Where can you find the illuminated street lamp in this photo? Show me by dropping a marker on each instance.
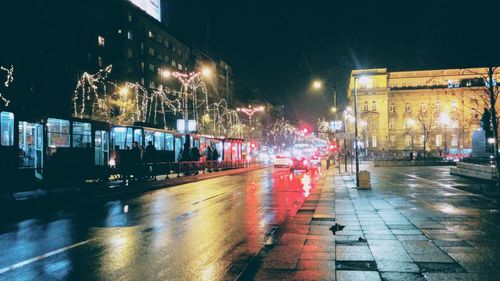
(250, 111)
(318, 85)
(444, 119)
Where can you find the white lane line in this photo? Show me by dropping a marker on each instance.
(41, 257)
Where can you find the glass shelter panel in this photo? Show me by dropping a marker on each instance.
(7, 128)
(82, 135)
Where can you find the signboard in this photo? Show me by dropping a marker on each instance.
(152, 7)
(336, 125)
(191, 125)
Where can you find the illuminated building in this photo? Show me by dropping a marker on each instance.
(401, 110)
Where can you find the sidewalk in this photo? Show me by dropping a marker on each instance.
(379, 238)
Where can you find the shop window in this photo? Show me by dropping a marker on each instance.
(58, 133)
(82, 135)
(7, 128)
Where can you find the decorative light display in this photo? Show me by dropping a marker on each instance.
(97, 98)
(8, 80)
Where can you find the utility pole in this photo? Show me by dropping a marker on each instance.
(494, 123)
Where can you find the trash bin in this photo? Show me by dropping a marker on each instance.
(364, 180)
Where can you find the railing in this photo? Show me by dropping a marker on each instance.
(153, 169)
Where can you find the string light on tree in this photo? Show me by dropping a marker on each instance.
(8, 80)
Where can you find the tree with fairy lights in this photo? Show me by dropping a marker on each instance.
(8, 80)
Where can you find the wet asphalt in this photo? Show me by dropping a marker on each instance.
(207, 230)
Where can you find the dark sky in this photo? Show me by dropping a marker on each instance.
(277, 47)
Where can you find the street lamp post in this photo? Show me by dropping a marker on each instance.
(250, 111)
(356, 148)
(318, 85)
(444, 118)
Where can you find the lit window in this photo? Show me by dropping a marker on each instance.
(407, 107)
(374, 106)
(391, 123)
(454, 105)
(159, 141)
(129, 17)
(100, 41)
(99, 61)
(58, 133)
(453, 84)
(167, 43)
(365, 106)
(152, 51)
(142, 81)
(179, 66)
(169, 141)
(173, 63)
(159, 71)
(130, 53)
(392, 108)
(407, 140)
(439, 140)
(7, 128)
(151, 67)
(150, 34)
(374, 141)
(121, 138)
(166, 59)
(82, 135)
(129, 35)
(152, 85)
(119, 31)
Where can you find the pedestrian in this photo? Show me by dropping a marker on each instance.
(328, 162)
(149, 155)
(195, 154)
(136, 153)
(411, 156)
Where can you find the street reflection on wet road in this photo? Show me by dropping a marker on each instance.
(207, 230)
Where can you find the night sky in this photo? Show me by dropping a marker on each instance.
(277, 47)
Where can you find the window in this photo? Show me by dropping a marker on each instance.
(438, 107)
(392, 108)
(169, 142)
(119, 31)
(407, 140)
(121, 138)
(374, 106)
(149, 136)
(374, 141)
(152, 85)
(58, 133)
(454, 140)
(99, 61)
(453, 84)
(159, 70)
(151, 51)
(423, 107)
(129, 35)
(167, 43)
(159, 39)
(150, 34)
(407, 107)
(454, 105)
(392, 140)
(138, 136)
(129, 17)
(439, 140)
(179, 66)
(142, 81)
(391, 123)
(82, 135)
(166, 58)
(130, 53)
(26, 145)
(159, 141)
(7, 128)
(100, 41)
(173, 63)
(151, 67)
(365, 106)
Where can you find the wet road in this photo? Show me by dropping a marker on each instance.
(207, 230)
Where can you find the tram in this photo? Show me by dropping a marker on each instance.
(53, 151)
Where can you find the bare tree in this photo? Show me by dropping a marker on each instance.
(426, 118)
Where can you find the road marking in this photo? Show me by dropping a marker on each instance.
(41, 257)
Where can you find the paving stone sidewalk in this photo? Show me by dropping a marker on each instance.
(376, 238)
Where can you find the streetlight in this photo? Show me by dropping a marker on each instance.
(318, 85)
(250, 111)
(444, 119)
(365, 81)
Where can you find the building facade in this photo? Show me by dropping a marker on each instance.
(435, 111)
